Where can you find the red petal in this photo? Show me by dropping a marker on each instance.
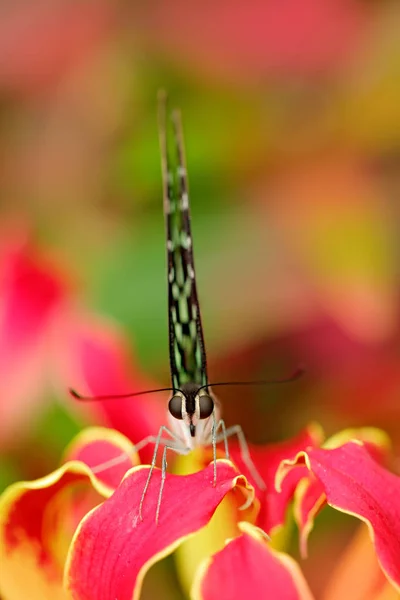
(248, 565)
(113, 548)
(109, 454)
(310, 498)
(267, 460)
(310, 495)
(36, 528)
(354, 483)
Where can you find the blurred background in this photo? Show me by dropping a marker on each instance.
(291, 112)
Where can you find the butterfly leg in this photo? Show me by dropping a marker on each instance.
(150, 439)
(214, 441)
(244, 450)
(179, 450)
(223, 437)
(214, 429)
(168, 444)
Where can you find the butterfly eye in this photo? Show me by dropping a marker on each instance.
(175, 407)
(206, 404)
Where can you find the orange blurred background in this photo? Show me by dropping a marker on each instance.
(292, 125)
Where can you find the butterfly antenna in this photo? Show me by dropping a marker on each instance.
(299, 372)
(80, 397)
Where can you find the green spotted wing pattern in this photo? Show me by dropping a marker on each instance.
(186, 342)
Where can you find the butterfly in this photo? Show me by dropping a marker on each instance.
(194, 411)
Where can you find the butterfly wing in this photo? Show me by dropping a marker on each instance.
(186, 341)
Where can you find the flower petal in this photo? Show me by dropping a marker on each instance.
(247, 565)
(107, 452)
(375, 440)
(310, 494)
(355, 484)
(35, 531)
(222, 526)
(273, 505)
(113, 548)
(267, 460)
(309, 499)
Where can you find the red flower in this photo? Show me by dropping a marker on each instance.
(38, 518)
(113, 547)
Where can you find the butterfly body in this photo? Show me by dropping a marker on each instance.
(192, 406)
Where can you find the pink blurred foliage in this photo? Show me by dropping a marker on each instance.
(32, 296)
(250, 40)
(99, 363)
(40, 42)
(46, 338)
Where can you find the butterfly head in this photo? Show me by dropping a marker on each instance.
(191, 404)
